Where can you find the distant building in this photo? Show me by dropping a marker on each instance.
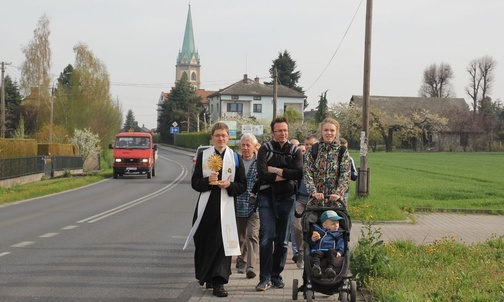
(188, 66)
(188, 60)
(395, 106)
(250, 98)
(246, 98)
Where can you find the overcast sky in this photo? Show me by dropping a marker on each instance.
(139, 41)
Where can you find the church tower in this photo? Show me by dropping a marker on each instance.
(188, 60)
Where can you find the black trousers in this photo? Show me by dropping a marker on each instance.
(331, 256)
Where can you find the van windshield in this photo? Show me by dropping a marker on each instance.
(132, 143)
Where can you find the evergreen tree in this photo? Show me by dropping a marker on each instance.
(12, 105)
(287, 76)
(183, 106)
(322, 108)
(130, 122)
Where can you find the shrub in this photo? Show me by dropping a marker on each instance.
(368, 258)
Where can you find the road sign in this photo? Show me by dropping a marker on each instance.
(174, 124)
(174, 130)
(254, 129)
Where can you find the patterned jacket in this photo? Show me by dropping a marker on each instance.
(320, 173)
(242, 206)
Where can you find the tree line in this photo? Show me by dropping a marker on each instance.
(78, 99)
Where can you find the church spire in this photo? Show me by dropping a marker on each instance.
(188, 55)
(188, 61)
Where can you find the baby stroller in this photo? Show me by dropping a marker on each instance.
(342, 283)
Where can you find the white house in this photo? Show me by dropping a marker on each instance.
(247, 98)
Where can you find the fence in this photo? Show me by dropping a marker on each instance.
(23, 166)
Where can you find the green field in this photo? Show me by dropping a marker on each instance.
(401, 182)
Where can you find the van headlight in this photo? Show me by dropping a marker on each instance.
(118, 160)
(145, 160)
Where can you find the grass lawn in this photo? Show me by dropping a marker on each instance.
(403, 181)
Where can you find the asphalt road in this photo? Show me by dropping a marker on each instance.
(117, 240)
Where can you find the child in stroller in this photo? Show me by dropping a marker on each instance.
(327, 242)
(340, 279)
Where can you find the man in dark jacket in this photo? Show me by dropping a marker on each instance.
(280, 167)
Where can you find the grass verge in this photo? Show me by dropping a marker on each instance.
(50, 186)
(445, 270)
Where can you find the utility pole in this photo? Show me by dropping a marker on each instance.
(3, 99)
(363, 189)
(275, 91)
(51, 115)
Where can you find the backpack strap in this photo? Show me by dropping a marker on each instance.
(237, 161)
(269, 152)
(340, 158)
(314, 150)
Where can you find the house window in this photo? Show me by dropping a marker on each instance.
(257, 108)
(211, 108)
(217, 107)
(234, 107)
(234, 97)
(257, 98)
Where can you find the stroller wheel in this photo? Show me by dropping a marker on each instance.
(295, 289)
(353, 291)
(309, 295)
(343, 295)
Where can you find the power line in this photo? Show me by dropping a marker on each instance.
(339, 45)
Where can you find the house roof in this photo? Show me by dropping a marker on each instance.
(394, 105)
(247, 86)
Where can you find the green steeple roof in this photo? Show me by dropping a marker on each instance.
(188, 48)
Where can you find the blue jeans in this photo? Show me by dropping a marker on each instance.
(274, 232)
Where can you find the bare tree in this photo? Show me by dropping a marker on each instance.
(436, 81)
(473, 89)
(481, 76)
(35, 70)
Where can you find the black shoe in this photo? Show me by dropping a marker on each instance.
(295, 257)
(240, 267)
(277, 282)
(330, 273)
(209, 285)
(219, 291)
(250, 273)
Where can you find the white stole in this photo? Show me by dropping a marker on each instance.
(227, 210)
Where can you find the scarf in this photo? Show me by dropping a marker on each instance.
(227, 211)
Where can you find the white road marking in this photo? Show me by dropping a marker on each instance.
(70, 227)
(23, 244)
(48, 235)
(4, 253)
(138, 201)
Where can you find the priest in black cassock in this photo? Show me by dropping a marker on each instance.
(214, 224)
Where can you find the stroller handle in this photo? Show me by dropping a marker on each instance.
(326, 197)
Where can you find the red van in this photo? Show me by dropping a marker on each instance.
(134, 153)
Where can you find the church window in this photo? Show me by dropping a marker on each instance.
(193, 76)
